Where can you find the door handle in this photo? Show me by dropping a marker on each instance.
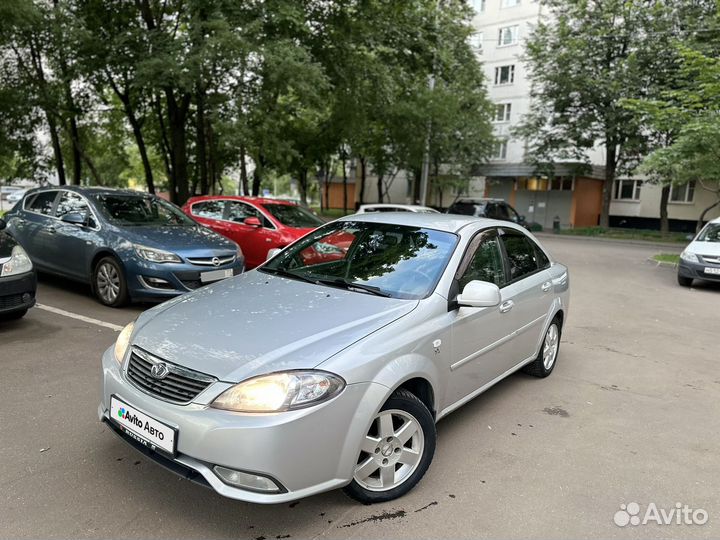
(546, 286)
(506, 306)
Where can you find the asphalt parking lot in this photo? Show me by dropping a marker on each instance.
(629, 415)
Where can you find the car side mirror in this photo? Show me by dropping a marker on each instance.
(272, 252)
(252, 222)
(479, 294)
(74, 218)
(2, 224)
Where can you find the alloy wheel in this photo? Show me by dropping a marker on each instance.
(391, 451)
(550, 347)
(108, 282)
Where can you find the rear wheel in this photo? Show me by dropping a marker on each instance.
(543, 365)
(684, 281)
(396, 451)
(109, 282)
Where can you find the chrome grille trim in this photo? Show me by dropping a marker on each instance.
(208, 261)
(180, 385)
(712, 259)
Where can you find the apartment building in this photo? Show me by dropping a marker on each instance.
(501, 29)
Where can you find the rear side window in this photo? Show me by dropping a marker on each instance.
(523, 256)
(42, 203)
(467, 209)
(72, 202)
(208, 209)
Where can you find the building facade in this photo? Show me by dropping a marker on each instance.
(501, 27)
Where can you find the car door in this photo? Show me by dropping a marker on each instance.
(255, 241)
(74, 245)
(35, 227)
(210, 213)
(479, 335)
(527, 296)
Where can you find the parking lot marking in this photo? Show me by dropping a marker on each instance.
(79, 317)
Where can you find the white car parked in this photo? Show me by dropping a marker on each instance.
(386, 207)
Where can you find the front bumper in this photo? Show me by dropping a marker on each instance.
(17, 292)
(174, 279)
(696, 270)
(306, 451)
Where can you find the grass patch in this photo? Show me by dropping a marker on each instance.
(667, 258)
(628, 234)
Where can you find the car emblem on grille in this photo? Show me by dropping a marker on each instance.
(159, 371)
(216, 261)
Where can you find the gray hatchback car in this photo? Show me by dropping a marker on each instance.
(329, 365)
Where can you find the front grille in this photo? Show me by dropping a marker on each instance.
(192, 284)
(211, 261)
(711, 259)
(180, 385)
(11, 301)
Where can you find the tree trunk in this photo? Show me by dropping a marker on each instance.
(417, 174)
(177, 115)
(140, 142)
(76, 151)
(701, 219)
(363, 174)
(345, 179)
(257, 174)
(201, 139)
(610, 166)
(57, 149)
(380, 187)
(302, 186)
(243, 171)
(664, 221)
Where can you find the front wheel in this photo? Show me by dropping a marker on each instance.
(109, 282)
(684, 281)
(396, 451)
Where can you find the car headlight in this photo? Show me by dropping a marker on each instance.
(156, 255)
(689, 256)
(282, 391)
(19, 263)
(323, 248)
(238, 253)
(123, 342)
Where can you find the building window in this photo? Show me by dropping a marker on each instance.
(531, 184)
(505, 75)
(476, 42)
(478, 5)
(500, 149)
(508, 35)
(502, 112)
(684, 193)
(510, 3)
(561, 183)
(627, 190)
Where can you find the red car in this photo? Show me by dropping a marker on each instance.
(256, 224)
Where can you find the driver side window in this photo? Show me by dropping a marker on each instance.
(486, 263)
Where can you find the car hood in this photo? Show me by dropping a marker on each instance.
(256, 323)
(704, 248)
(186, 240)
(6, 245)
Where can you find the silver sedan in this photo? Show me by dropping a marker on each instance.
(329, 365)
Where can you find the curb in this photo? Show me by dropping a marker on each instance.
(647, 243)
(663, 264)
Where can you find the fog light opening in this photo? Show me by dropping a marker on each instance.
(246, 480)
(156, 283)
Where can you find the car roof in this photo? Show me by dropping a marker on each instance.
(90, 190)
(442, 222)
(256, 200)
(392, 205)
(478, 200)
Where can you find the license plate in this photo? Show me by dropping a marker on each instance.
(714, 271)
(215, 275)
(143, 428)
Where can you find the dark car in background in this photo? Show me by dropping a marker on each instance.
(17, 278)
(125, 244)
(257, 224)
(487, 208)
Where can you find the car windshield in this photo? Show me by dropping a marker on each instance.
(711, 233)
(373, 258)
(294, 216)
(141, 210)
(467, 208)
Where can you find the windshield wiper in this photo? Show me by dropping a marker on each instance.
(288, 274)
(355, 286)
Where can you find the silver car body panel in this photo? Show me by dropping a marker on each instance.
(258, 323)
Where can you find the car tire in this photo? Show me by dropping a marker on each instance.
(546, 359)
(109, 283)
(684, 281)
(407, 458)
